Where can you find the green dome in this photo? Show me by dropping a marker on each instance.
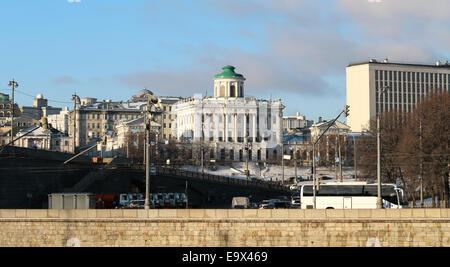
(228, 72)
(4, 97)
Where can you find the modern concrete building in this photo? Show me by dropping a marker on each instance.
(229, 120)
(408, 84)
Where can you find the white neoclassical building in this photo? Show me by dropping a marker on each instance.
(230, 121)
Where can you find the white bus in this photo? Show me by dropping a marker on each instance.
(352, 195)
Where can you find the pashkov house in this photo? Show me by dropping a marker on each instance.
(231, 126)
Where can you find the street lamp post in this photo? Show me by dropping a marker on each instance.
(379, 202)
(75, 98)
(13, 85)
(246, 145)
(346, 112)
(152, 101)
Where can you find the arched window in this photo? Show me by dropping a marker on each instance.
(233, 91)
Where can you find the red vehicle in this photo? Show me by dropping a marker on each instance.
(107, 201)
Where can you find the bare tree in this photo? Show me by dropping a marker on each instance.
(391, 131)
(424, 147)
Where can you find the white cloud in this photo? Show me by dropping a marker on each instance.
(74, 1)
(305, 45)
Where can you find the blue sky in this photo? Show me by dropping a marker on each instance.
(293, 50)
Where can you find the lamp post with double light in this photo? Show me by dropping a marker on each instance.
(151, 109)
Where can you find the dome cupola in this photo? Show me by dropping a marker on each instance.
(229, 83)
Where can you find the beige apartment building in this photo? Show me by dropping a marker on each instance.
(167, 118)
(95, 119)
(406, 85)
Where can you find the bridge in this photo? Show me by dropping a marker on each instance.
(27, 176)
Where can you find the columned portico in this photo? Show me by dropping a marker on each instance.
(233, 120)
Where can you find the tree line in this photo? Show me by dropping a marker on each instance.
(414, 149)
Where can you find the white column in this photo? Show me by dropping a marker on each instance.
(225, 128)
(254, 128)
(245, 127)
(235, 127)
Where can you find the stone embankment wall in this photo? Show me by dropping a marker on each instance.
(227, 228)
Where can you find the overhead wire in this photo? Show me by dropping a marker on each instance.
(32, 96)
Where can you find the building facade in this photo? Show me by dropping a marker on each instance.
(407, 85)
(295, 123)
(60, 121)
(6, 110)
(39, 109)
(229, 122)
(44, 138)
(167, 118)
(94, 120)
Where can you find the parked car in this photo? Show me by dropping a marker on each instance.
(159, 200)
(137, 204)
(270, 205)
(170, 197)
(152, 170)
(282, 205)
(240, 202)
(264, 203)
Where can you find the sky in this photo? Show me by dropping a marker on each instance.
(296, 50)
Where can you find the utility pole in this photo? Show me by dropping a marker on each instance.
(74, 98)
(421, 165)
(340, 158)
(202, 141)
(346, 111)
(295, 160)
(379, 202)
(354, 153)
(282, 163)
(246, 145)
(13, 85)
(147, 117)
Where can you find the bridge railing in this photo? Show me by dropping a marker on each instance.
(218, 178)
